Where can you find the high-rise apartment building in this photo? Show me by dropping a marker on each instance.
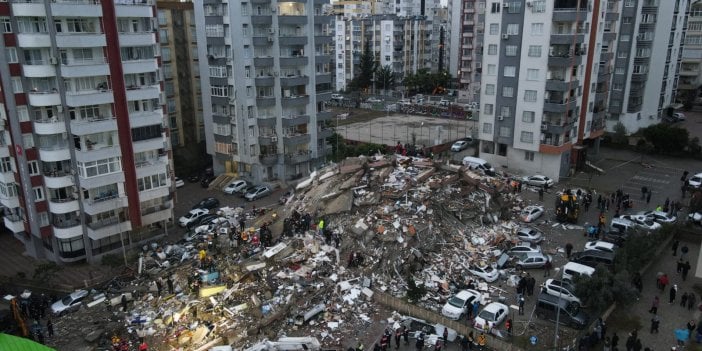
(539, 83)
(181, 75)
(691, 66)
(84, 156)
(648, 53)
(269, 69)
(466, 41)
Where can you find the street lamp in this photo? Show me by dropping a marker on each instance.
(558, 313)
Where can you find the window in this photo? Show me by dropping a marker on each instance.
(492, 49)
(28, 140)
(629, 3)
(495, 7)
(527, 137)
(33, 167)
(626, 20)
(640, 69)
(528, 156)
(11, 55)
(505, 132)
(43, 219)
(487, 128)
(622, 54)
(23, 113)
(17, 85)
(163, 36)
(488, 109)
(489, 89)
(530, 95)
(162, 19)
(532, 74)
(508, 92)
(494, 28)
(5, 165)
(219, 90)
(513, 28)
(618, 86)
(537, 29)
(165, 54)
(528, 116)
(619, 70)
(510, 71)
(491, 70)
(99, 167)
(625, 37)
(534, 50)
(152, 182)
(511, 50)
(505, 111)
(6, 24)
(538, 6)
(38, 194)
(514, 7)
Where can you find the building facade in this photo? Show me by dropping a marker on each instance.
(691, 66)
(466, 41)
(648, 55)
(539, 83)
(181, 75)
(84, 153)
(268, 66)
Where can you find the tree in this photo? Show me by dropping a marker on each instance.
(385, 78)
(367, 67)
(619, 136)
(667, 139)
(414, 291)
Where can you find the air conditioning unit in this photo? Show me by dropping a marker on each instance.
(59, 108)
(271, 30)
(53, 60)
(544, 126)
(274, 139)
(505, 36)
(501, 118)
(505, 5)
(270, 39)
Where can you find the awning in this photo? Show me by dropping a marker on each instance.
(16, 343)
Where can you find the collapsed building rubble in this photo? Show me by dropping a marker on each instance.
(310, 266)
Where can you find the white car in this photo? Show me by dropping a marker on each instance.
(531, 213)
(192, 216)
(374, 100)
(493, 314)
(659, 216)
(531, 260)
(538, 180)
(600, 245)
(524, 247)
(459, 304)
(418, 326)
(642, 221)
(337, 97)
(562, 289)
(695, 217)
(235, 186)
(679, 116)
(257, 193)
(69, 303)
(695, 181)
(459, 145)
(179, 183)
(487, 273)
(530, 234)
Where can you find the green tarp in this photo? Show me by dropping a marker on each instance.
(16, 343)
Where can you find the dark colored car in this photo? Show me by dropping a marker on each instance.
(206, 180)
(246, 190)
(207, 203)
(594, 258)
(206, 219)
(615, 236)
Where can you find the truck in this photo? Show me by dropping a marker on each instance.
(567, 207)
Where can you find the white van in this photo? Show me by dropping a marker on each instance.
(478, 164)
(574, 269)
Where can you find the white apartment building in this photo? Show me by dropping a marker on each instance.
(269, 68)
(85, 164)
(691, 65)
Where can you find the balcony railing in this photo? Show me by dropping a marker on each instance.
(66, 223)
(55, 174)
(103, 223)
(150, 162)
(52, 147)
(54, 119)
(74, 62)
(60, 200)
(105, 196)
(155, 209)
(14, 218)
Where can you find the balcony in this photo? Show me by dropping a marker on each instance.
(49, 126)
(291, 20)
(323, 78)
(149, 144)
(567, 38)
(67, 229)
(295, 120)
(91, 68)
(262, 19)
(267, 121)
(28, 9)
(557, 84)
(292, 39)
(104, 179)
(63, 205)
(263, 61)
(81, 40)
(267, 139)
(150, 167)
(295, 100)
(39, 69)
(97, 151)
(294, 80)
(296, 139)
(156, 214)
(145, 118)
(107, 227)
(44, 98)
(689, 71)
(34, 40)
(565, 60)
(323, 39)
(143, 92)
(71, 8)
(54, 153)
(293, 61)
(93, 125)
(137, 39)
(134, 8)
(7, 177)
(265, 81)
(323, 96)
(298, 157)
(145, 195)
(324, 133)
(558, 105)
(104, 203)
(268, 160)
(89, 97)
(265, 101)
(324, 115)
(14, 223)
(58, 179)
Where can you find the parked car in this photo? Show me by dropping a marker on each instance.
(695, 181)
(417, 326)
(235, 186)
(695, 217)
(208, 203)
(206, 180)
(192, 216)
(492, 315)
(69, 303)
(202, 220)
(531, 213)
(374, 100)
(337, 97)
(564, 290)
(179, 183)
(593, 258)
(600, 245)
(659, 216)
(459, 304)
(538, 180)
(485, 272)
(642, 221)
(530, 234)
(531, 260)
(523, 247)
(246, 190)
(562, 311)
(679, 116)
(615, 235)
(459, 146)
(257, 193)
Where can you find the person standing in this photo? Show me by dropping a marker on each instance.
(482, 341)
(521, 305)
(50, 327)
(541, 194)
(405, 335)
(654, 305)
(569, 249)
(676, 243)
(547, 268)
(644, 190)
(169, 282)
(685, 269)
(159, 286)
(615, 340)
(691, 301)
(648, 197)
(673, 291)
(124, 302)
(655, 322)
